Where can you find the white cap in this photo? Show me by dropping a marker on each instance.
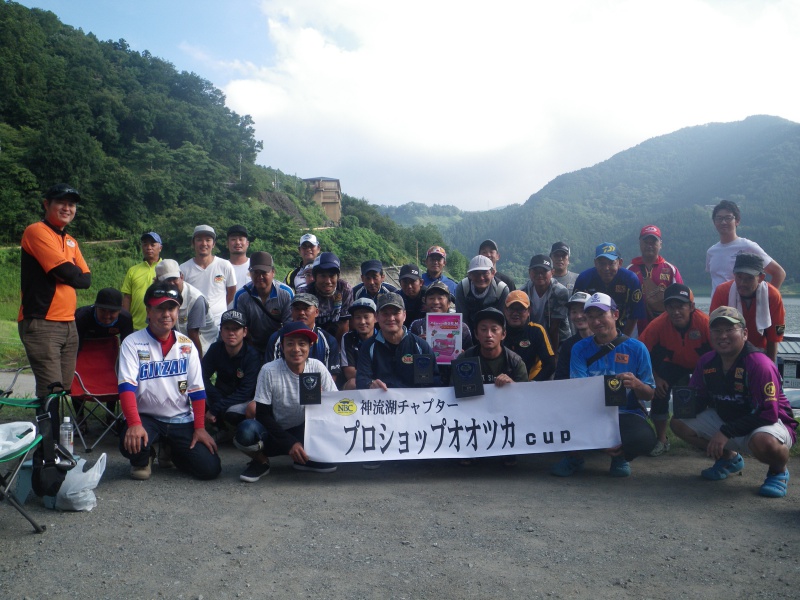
(602, 301)
(310, 238)
(66, 420)
(480, 263)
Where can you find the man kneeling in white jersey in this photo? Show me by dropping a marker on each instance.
(279, 426)
(161, 392)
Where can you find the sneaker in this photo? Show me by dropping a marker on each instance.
(620, 467)
(255, 470)
(371, 466)
(165, 456)
(143, 473)
(723, 467)
(775, 485)
(660, 448)
(315, 467)
(567, 466)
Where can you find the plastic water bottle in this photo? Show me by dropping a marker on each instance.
(66, 434)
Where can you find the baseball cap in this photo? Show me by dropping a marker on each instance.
(579, 297)
(371, 265)
(238, 230)
(261, 261)
(60, 190)
(541, 260)
(438, 286)
(678, 291)
(233, 316)
(390, 299)
(326, 260)
(749, 263)
(492, 314)
(727, 313)
(607, 250)
(410, 271)
(167, 269)
(310, 238)
(204, 230)
(436, 250)
(152, 235)
(305, 298)
(559, 247)
(488, 244)
(480, 263)
(650, 230)
(602, 301)
(109, 298)
(298, 328)
(366, 303)
(519, 297)
(161, 292)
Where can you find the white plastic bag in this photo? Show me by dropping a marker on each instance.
(76, 491)
(15, 436)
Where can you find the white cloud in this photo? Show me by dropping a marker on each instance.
(475, 103)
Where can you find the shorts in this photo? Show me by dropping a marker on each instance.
(708, 422)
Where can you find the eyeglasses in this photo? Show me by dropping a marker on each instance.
(724, 219)
(162, 293)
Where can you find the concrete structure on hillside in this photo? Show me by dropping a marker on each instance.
(328, 194)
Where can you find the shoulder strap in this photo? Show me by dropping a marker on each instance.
(606, 348)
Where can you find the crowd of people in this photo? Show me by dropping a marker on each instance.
(212, 349)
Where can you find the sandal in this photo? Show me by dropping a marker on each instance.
(775, 485)
(723, 467)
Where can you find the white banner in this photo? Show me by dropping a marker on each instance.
(408, 423)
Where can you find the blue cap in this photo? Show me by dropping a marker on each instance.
(151, 234)
(607, 250)
(326, 260)
(371, 265)
(298, 328)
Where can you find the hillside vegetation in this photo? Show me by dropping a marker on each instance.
(671, 181)
(151, 148)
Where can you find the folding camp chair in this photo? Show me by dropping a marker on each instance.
(94, 386)
(7, 390)
(17, 440)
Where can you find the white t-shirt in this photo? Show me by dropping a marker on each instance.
(213, 282)
(720, 259)
(278, 386)
(242, 274)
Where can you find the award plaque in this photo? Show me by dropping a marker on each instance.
(423, 369)
(615, 392)
(466, 377)
(310, 388)
(683, 402)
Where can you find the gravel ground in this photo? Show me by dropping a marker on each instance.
(417, 529)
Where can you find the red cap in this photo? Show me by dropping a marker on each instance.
(650, 230)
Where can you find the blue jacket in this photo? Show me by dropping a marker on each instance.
(395, 368)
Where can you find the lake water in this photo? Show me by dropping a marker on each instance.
(791, 304)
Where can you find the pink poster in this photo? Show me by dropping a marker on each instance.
(444, 336)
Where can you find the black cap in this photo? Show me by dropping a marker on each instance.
(492, 314)
(109, 298)
(162, 291)
(409, 272)
(559, 247)
(233, 316)
(541, 260)
(238, 230)
(678, 291)
(371, 265)
(60, 190)
(488, 244)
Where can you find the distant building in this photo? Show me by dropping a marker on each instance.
(328, 194)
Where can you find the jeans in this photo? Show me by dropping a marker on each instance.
(251, 431)
(199, 462)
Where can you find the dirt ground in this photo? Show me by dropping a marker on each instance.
(417, 529)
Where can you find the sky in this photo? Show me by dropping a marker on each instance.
(475, 104)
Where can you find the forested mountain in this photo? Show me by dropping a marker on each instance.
(151, 148)
(671, 181)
